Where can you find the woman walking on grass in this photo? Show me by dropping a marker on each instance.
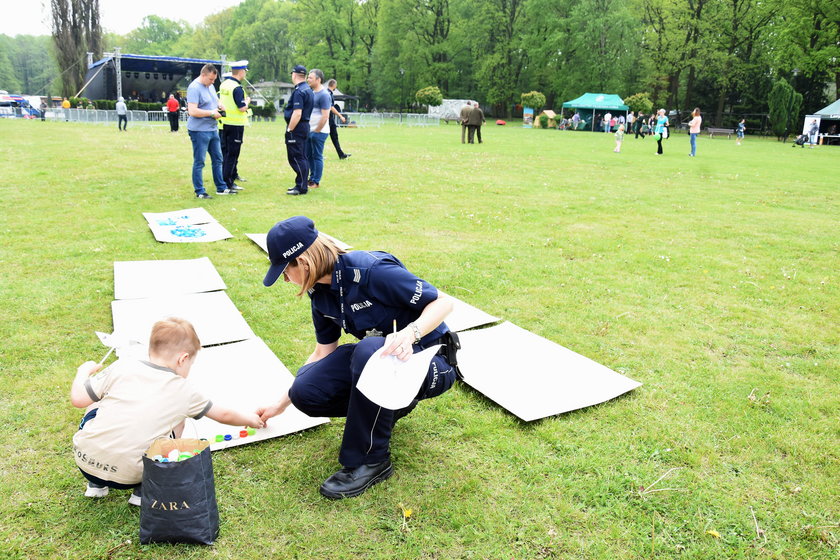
(660, 132)
(694, 129)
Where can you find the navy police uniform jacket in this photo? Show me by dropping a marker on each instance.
(369, 290)
(301, 98)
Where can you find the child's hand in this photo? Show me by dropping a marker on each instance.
(253, 421)
(88, 368)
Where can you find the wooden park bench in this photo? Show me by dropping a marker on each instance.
(728, 131)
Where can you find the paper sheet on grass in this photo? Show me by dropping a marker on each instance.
(464, 316)
(200, 233)
(393, 383)
(244, 376)
(213, 314)
(188, 217)
(259, 239)
(142, 279)
(533, 377)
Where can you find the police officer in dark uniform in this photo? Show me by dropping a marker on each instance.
(363, 293)
(297, 112)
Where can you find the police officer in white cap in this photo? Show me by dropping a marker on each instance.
(233, 123)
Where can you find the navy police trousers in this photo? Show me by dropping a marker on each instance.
(296, 154)
(328, 388)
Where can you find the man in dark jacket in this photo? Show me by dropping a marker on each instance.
(474, 121)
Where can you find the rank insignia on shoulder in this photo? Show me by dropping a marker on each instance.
(357, 276)
(373, 332)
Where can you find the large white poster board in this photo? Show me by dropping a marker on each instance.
(533, 377)
(464, 316)
(142, 279)
(244, 376)
(213, 314)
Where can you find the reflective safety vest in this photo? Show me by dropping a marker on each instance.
(233, 116)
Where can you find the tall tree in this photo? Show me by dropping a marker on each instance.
(75, 31)
(155, 36)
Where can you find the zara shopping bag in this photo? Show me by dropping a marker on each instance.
(179, 496)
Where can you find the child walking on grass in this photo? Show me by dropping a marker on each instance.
(619, 136)
(132, 403)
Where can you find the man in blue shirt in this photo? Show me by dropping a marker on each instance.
(203, 108)
(297, 112)
(319, 126)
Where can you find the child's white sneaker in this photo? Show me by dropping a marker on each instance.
(96, 491)
(135, 499)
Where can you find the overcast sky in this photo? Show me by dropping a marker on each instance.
(31, 17)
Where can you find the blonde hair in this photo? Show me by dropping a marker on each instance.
(316, 262)
(696, 112)
(172, 336)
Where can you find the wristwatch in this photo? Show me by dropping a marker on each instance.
(417, 335)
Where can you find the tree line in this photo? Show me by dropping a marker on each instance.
(723, 56)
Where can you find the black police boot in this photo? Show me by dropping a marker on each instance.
(350, 482)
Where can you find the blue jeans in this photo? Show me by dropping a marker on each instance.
(315, 155)
(202, 142)
(693, 143)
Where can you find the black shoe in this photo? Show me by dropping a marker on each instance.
(295, 192)
(345, 156)
(404, 411)
(203, 195)
(348, 482)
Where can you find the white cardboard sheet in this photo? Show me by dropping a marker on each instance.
(190, 233)
(464, 316)
(259, 239)
(142, 279)
(533, 377)
(244, 376)
(213, 314)
(188, 217)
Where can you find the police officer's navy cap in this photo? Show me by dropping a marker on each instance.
(239, 65)
(285, 242)
(299, 69)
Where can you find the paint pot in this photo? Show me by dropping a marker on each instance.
(251, 431)
(173, 455)
(184, 456)
(228, 437)
(220, 438)
(243, 433)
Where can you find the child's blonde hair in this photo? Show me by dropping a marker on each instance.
(621, 127)
(172, 336)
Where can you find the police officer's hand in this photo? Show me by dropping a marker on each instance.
(400, 344)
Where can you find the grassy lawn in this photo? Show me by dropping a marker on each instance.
(708, 279)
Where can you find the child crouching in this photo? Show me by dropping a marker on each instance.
(132, 403)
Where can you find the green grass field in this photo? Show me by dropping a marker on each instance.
(707, 279)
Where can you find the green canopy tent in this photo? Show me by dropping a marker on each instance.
(828, 119)
(588, 103)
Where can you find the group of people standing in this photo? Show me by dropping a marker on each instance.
(658, 125)
(216, 124)
(472, 117)
(311, 115)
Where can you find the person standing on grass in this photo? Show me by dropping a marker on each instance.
(465, 117)
(319, 124)
(368, 294)
(204, 109)
(739, 133)
(607, 121)
(122, 114)
(334, 112)
(174, 112)
(813, 133)
(694, 130)
(234, 121)
(661, 130)
(619, 136)
(474, 121)
(296, 113)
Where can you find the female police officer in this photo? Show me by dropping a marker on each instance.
(363, 293)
